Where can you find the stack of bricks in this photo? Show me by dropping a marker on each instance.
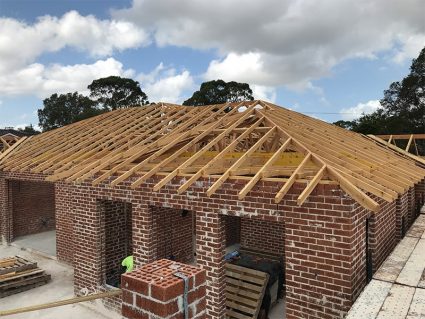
(153, 291)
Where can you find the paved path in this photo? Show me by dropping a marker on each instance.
(59, 288)
(397, 290)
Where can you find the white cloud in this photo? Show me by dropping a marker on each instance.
(283, 42)
(22, 43)
(352, 113)
(265, 93)
(166, 84)
(42, 81)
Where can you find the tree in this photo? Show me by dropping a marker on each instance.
(114, 92)
(219, 91)
(403, 105)
(406, 99)
(29, 130)
(348, 125)
(63, 109)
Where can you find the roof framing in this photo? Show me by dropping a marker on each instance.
(250, 141)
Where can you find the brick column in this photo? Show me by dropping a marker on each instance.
(64, 214)
(325, 257)
(420, 194)
(143, 242)
(411, 205)
(402, 215)
(4, 212)
(210, 245)
(154, 292)
(88, 239)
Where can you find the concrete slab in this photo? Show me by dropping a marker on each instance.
(397, 304)
(417, 308)
(393, 265)
(418, 228)
(414, 268)
(60, 287)
(44, 242)
(278, 311)
(398, 288)
(370, 301)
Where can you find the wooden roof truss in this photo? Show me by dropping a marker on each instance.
(260, 141)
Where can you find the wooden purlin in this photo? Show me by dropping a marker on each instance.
(168, 141)
(239, 162)
(260, 172)
(226, 150)
(114, 140)
(138, 150)
(92, 141)
(193, 158)
(397, 149)
(8, 152)
(42, 144)
(376, 190)
(184, 148)
(91, 166)
(351, 164)
(348, 186)
(165, 148)
(395, 176)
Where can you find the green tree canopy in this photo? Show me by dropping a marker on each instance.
(29, 130)
(219, 91)
(63, 109)
(114, 92)
(403, 105)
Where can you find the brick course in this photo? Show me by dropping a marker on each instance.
(154, 292)
(263, 235)
(33, 207)
(173, 234)
(324, 244)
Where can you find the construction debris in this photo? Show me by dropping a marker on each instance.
(18, 274)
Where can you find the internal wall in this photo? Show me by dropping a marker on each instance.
(233, 230)
(117, 243)
(263, 235)
(33, 207)
(383, 232)
(173, 233)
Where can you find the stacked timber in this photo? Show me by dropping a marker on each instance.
(18, 274)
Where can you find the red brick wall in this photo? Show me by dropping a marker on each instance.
(324, 246)
(116, 237)
(359, 272)
(383, 234)
(402, 214)
(263, 235)
(420, 194)
(233, 230)
(64, 222)
(411, 205)
(33, 207)
(173, 234)
(4, 211)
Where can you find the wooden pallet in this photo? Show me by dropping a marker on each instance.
(245, 290)
(15, 264)
(18, 274)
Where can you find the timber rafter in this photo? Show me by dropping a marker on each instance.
(251, 141)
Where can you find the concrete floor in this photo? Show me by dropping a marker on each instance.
(59, 288)
(397, 290)
(44, 242)
(278, 311)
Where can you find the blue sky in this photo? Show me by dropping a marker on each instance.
(330, 60)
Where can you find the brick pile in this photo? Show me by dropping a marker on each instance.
(154, 292)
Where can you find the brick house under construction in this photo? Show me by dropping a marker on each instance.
(169, 181)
